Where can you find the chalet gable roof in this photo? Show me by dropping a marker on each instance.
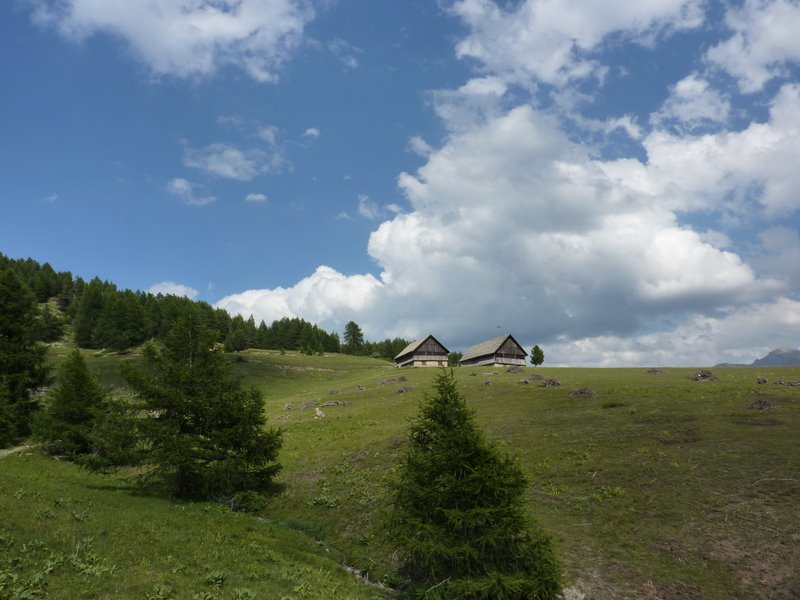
(416, 344)
(490, 347)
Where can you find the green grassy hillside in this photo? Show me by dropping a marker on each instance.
(659, 486)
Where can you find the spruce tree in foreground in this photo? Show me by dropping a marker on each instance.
(458, 512)
(204, 433)
(67, 419)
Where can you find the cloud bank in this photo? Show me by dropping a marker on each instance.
(188, 38)
(513, 224)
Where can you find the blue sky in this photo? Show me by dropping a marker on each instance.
(614, 181)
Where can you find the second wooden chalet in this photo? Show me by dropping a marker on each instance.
(498, 352)
(425, 352)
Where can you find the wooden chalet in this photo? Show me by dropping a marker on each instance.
(498, 352)
(425, 352)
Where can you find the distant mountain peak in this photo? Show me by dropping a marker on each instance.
(780, 357)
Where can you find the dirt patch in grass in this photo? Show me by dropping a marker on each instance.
(767, 567)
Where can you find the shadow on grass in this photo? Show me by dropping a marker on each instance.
(159, 489)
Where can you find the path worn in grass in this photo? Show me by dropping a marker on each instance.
(6, 451)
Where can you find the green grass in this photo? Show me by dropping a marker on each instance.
(66, 533)
(658, 487)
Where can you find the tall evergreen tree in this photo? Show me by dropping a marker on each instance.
(71, 407)
(353, 338)
(205, 431)
(458, 512)
(22, 358)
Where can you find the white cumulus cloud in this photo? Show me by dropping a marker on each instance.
(693, 103)
(763, 44)
(551, 40)
(326, 296)
(188, 38)
(733, 171)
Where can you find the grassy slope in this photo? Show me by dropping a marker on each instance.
(659, 487)
(72, 534)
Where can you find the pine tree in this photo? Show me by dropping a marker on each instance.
(537, 356)
(205, 432)
(353, 338)
(22, 359)
(458, 512)
(71, 407)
